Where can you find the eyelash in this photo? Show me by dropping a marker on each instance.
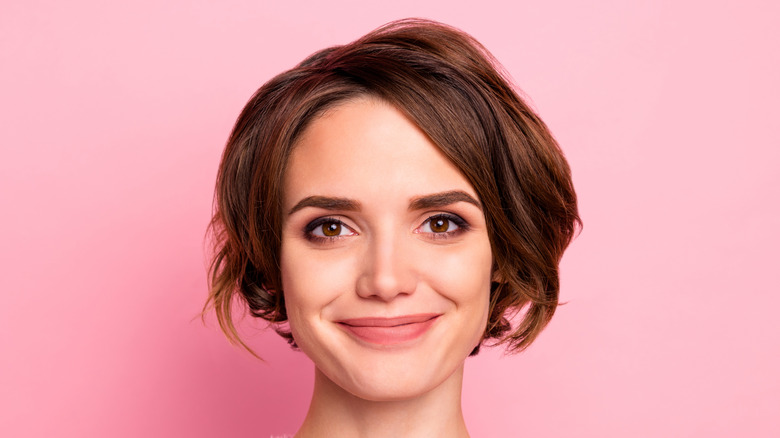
(313, 225)
(462, 225)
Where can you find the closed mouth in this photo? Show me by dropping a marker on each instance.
(389, 322)
(389, 331)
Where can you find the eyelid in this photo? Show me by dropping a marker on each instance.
(313, 225)
(461, 223)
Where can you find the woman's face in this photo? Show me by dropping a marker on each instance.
(385, 260)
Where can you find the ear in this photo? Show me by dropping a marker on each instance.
(497, 277)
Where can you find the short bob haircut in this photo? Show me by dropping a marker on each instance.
(450, 86)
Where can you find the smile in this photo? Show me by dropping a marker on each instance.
(389, 331)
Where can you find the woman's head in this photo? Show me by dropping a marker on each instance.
(446, 85)
(385, 257)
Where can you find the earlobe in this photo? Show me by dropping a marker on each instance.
(497, 277)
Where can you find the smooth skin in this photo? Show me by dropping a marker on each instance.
(379, 224)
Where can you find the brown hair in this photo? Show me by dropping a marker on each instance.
(447, 84)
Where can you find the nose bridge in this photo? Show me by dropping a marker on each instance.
(388, 270)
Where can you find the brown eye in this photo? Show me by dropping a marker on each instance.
(443, 226)
(331, 229)
(440, 225)
(327, 228)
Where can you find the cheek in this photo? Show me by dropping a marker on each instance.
(463, 276)
(310, 281)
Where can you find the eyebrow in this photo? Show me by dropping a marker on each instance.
(326, 203)
(442, 199)
(434, 200)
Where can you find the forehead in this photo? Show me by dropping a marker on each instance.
(366, 149)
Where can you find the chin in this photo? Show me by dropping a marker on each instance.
(396, 376)
(387, 387)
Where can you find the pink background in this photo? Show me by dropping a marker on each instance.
(114, 115)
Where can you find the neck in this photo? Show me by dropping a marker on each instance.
(334, 412)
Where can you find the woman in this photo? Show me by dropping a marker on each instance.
(389, 205)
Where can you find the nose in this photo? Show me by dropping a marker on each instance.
(388, 268)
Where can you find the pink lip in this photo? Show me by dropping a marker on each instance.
(389, 331)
